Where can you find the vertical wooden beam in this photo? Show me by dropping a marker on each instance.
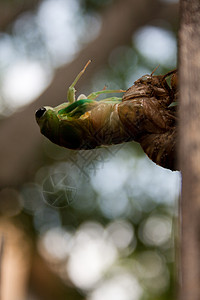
(189, 148)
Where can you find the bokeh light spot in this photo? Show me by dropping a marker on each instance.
(156, 44)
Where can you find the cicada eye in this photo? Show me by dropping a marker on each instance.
(39, 113)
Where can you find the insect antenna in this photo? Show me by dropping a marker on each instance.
(155, 70)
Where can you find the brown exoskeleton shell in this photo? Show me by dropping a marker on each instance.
(149, 119)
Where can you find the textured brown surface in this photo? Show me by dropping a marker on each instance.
(146, 115)
(189, 148)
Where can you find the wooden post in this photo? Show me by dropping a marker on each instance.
(189, 148)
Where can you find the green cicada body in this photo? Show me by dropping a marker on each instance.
(83, 126)
(144, 114)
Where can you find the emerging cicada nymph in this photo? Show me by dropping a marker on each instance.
(146, 114)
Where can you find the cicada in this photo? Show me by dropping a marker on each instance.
(144, 114)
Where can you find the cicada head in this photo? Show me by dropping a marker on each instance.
(61, 127)
(48, 122)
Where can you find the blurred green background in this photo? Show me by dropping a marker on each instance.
(97, 224)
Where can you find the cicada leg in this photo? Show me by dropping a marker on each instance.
(71, 91)
(112, 99)
(94, 95)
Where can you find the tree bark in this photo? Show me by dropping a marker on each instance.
(189, 148)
